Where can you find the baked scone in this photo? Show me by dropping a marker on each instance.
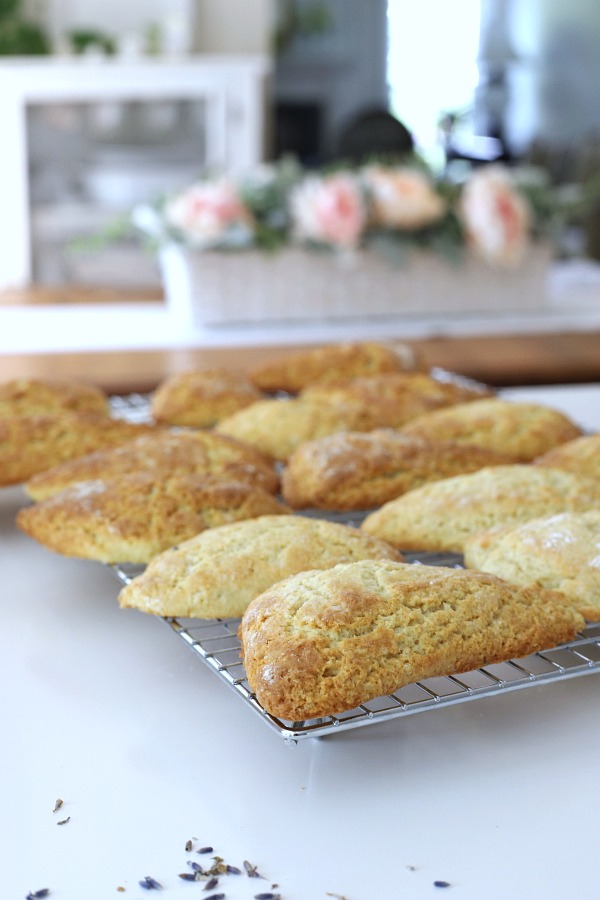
(323, 642)
(580, 455)
(561, 552)
(199, 398)
(295, 370)
(31, 444)
(277, 426)
(523, 430)
(30, 396)
(133, 517)
(440, 516)
(197, 452)
(217, 573)
(353, 470)
(395, 398)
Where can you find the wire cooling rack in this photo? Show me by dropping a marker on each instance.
(216, 643)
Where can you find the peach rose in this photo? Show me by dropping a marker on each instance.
(402, 198)
(496, 216)
(328, 209)
(209, 214)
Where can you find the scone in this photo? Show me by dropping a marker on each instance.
(354, 471)
(440, 516)
(295, 370)
(277, 426)
(30, 396)
(199, 398)
(395, 398)
(561, 552)
(580, 455)
(133, 517)
(323, 642)
(197, 452)
(32, 444)
(217, 573)
(523, 430)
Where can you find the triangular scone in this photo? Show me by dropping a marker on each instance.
(523, 430)
(133, 517)
(295, 370)
(581, 455)
(32, 444)
(353, 471)
(561, 552)
(217, 573)
(440, 516)
(199, 398)
(32, 396)
(196, 452)
(324, 642)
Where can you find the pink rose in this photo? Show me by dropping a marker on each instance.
(496, 216)
(210, 213)
(402, 198)
(329, 209)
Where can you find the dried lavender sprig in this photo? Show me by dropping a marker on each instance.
(150, 884)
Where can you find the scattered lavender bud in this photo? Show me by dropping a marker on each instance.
(205, 850)
(64, 821)
(188, 846)
(211, 883)
(37, 895)
(216, 897)
(150, 884)
(267, 896)
(251, 870)
(441, 884)
(233, 870)
(187, 876)
(195, 866)
(57, 805)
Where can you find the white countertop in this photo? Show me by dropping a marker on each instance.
(107, 710)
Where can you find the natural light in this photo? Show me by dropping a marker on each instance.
(432, 63)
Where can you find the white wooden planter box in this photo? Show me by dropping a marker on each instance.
(218, 288)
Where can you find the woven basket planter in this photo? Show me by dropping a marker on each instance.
(212, 288)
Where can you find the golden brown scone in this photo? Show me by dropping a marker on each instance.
(32, 444)
(200, 397)
(353, 470)
(217, 573)
(580, 455)
(197, 452)
(133, 517)
(295, 370)
(395, 398)
(323, 642)
(560, 552)
(440, 516)
(277, 426)
(30, 396)
(523, 430)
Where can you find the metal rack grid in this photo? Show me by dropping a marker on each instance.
(216, 643)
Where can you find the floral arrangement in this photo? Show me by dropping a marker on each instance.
(389, 206)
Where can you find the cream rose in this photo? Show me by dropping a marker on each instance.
(328, 209)
(402, 198)
(496, 216)
(209, 214)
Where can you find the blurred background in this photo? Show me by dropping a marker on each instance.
(469, 81)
